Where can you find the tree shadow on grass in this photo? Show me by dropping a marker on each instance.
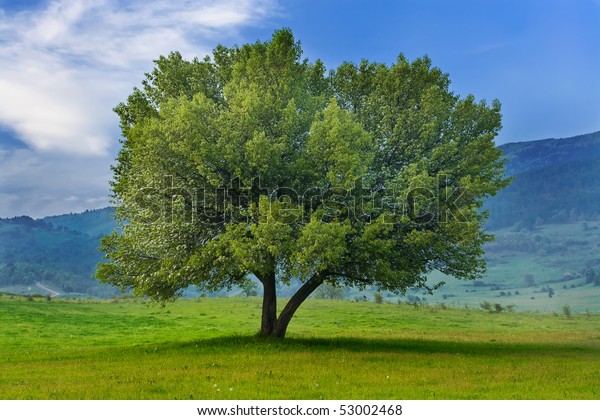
(383, 345)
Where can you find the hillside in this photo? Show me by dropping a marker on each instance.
(542, 269)
(55, 253)
(546, 224)
(531, 155)
(555, 181)
(94, 223)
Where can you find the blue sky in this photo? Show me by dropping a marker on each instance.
(65, 64)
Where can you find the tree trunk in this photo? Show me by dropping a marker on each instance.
(269, 308)
(300, 296)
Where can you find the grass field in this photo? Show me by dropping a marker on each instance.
(547, 252)
(207, 349)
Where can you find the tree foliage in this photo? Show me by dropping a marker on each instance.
(256, 162)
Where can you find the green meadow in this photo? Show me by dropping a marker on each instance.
(208, 349)
(555, 255)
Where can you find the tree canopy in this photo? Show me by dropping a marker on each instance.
(258, 162)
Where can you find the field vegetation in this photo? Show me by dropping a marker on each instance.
(540, 268)
(208, 349)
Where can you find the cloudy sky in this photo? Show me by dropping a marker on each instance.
(65, 64)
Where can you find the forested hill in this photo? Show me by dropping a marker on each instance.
(91, 222)
(57, 253)
(555, 181)
(527, 156)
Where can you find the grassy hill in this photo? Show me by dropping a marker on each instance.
(207, 349)
(558, 258)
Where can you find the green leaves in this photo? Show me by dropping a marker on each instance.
(338, 151)
(320, 247)
(255, 162)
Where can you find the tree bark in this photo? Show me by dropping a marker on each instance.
(269, 307)
(300, 296)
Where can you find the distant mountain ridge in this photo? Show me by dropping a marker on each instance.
(92, 222)
(530, 155)
(58, 253)
(556, 181)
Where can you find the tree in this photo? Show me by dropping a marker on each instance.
(329, 291)
(529, 280)
(249, 288)
(255, 162)
(591, 276)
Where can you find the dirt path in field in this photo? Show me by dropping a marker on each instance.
(53, 293)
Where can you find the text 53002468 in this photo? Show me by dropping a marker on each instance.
(369, 410)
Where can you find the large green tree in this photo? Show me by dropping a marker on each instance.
(256, 162)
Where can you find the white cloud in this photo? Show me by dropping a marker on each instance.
(66, 64)
(39, 183)
(64, 67)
